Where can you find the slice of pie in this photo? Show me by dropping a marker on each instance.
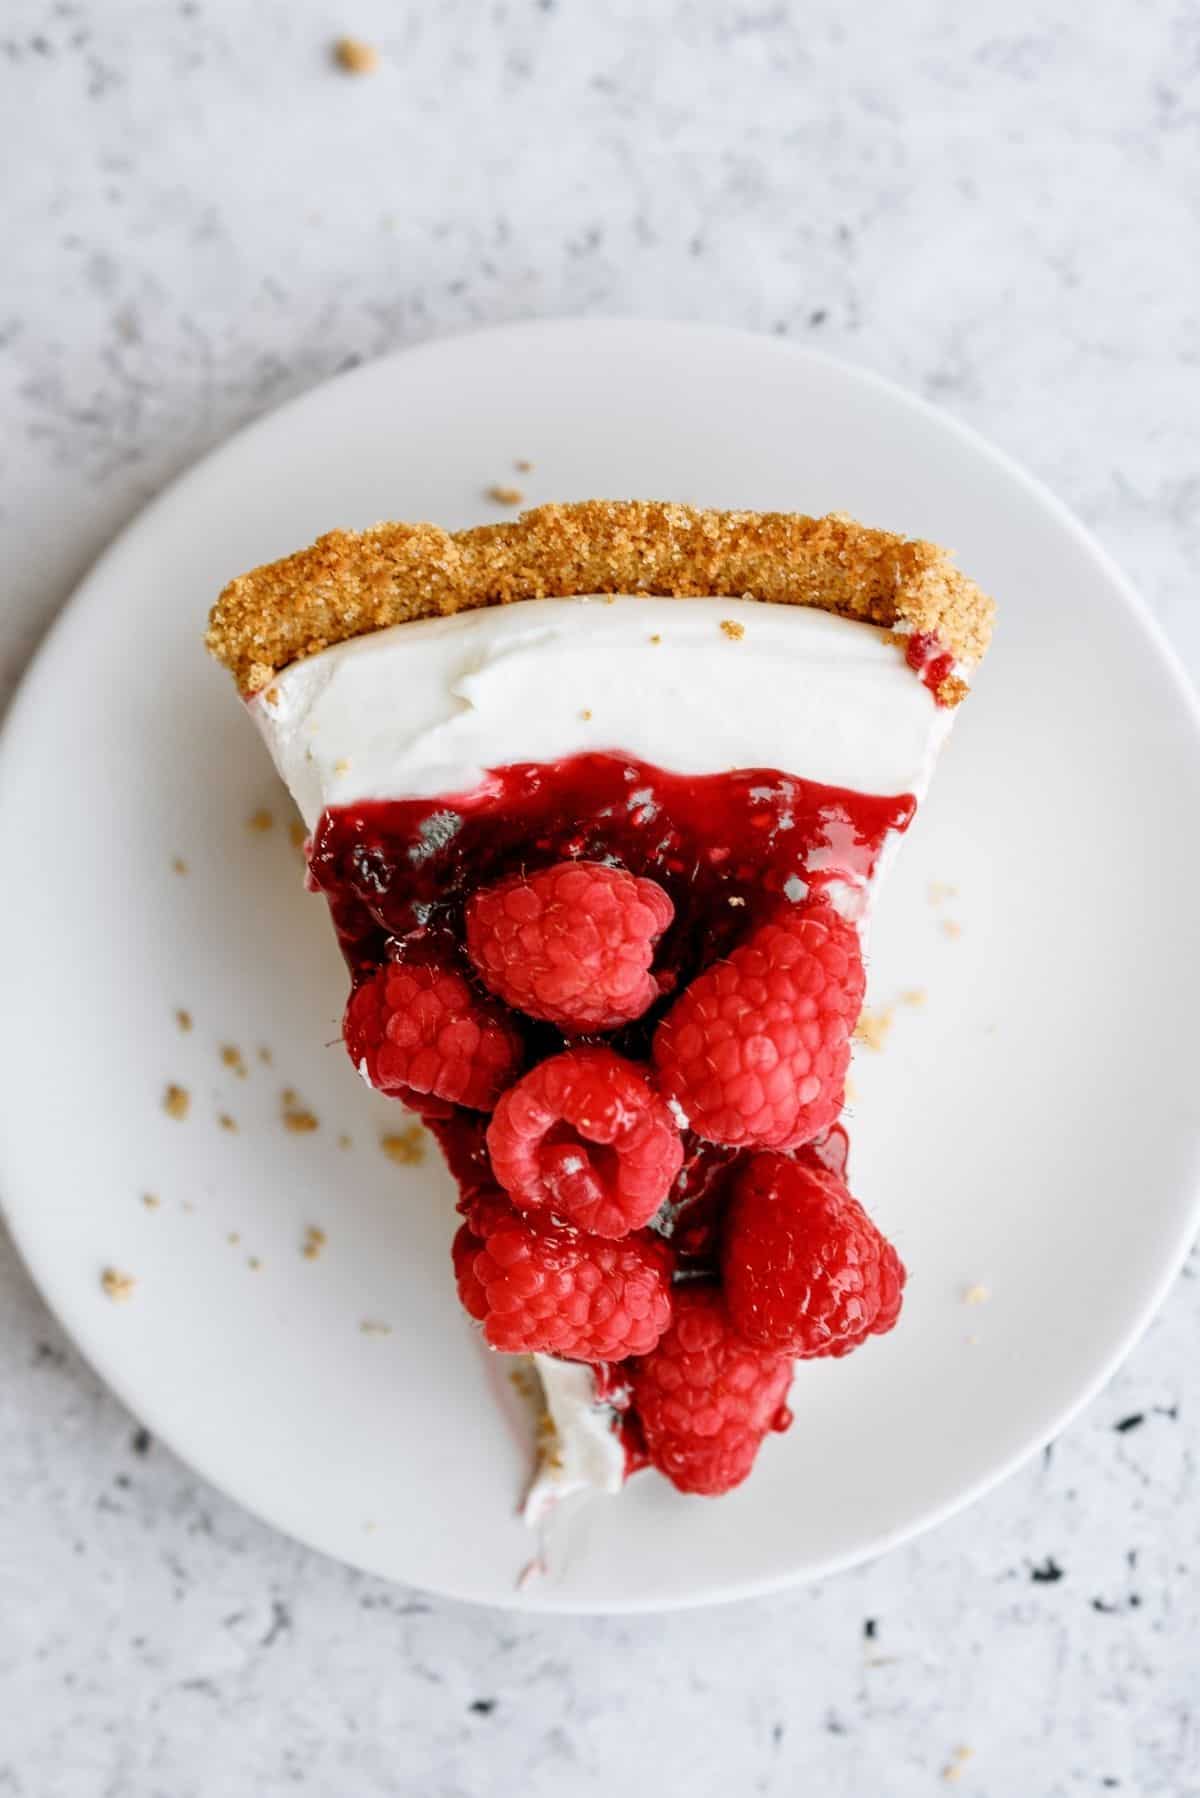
(598, 800)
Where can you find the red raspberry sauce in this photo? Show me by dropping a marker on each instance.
(727, 848)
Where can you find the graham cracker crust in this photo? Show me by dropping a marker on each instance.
(352, 582)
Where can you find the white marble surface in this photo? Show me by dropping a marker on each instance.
(994, 203)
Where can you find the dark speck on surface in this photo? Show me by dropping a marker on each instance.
(281, 1621)
(141, 1442)
(869, 1629)
(818, 316)
(482, 1707)
(1046, 1573)
(1133, 1422)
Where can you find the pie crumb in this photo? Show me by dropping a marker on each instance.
(914, 996)
(151, 1201)
(272, 695)
(656, 638)
(504, 495)
(939, 890)
(956, 1766)
(851, 1091)
(183, 1019)
(118, 1286)
(978, 1294)
(264, 1055)
(253, 1263)
(733, 630)
(233, 1238)
(525, 1381)
(522, 466)
(296, 1115)
(951, 929)
(225, 1121)
(586, 715)
(355, 56)
(371, 1326)
(314, 1242)
(231, 1057)
(297, 833)
(177, 1102)
(873, 1027)
(260, 820)
(405, 1146)
(736, 899)
(344, 1140)
(342, 765)
(178, 865)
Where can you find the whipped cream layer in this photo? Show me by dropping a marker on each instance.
(586, 1454)
(424, 709)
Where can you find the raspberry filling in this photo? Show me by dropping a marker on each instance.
(691, 984)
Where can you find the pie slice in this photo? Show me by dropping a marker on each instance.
(599, 800)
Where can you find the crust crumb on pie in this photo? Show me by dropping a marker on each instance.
(297, 834)
(314, 1242)
(151, 1201)
(226, 1122)
(505, 496)
(342, 765)
(231, 1057)
(586, 715)
(874, 1026)
(296, 1115)
(117, 1285)
(178, 865)
(355, 56)
(914, 996)
(733, 630)
(977, 1294)
(260, 820)
(264, 1055)
(656, 637)
(177, 1102)
(522, 466)
(371, 1326)
(407, 1147)
(183, 1019)
(349, 583)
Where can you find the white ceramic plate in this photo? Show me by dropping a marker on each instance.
(1033, 1128)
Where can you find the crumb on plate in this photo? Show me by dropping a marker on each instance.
(177, 1102)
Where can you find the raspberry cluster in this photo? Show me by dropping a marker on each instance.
(684, 1213)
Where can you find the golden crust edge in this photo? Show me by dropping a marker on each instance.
(349, 583)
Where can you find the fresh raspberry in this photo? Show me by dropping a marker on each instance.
(585, 1137)
(706, 1398)
(415, 1028)
(755, 1051)
(571, 944)
(539, 1287)
(806, 1272)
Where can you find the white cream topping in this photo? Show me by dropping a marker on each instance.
(424, 709)
(586, 1455)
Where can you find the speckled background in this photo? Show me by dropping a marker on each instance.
(996, 204)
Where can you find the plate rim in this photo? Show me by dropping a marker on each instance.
(88, 591)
